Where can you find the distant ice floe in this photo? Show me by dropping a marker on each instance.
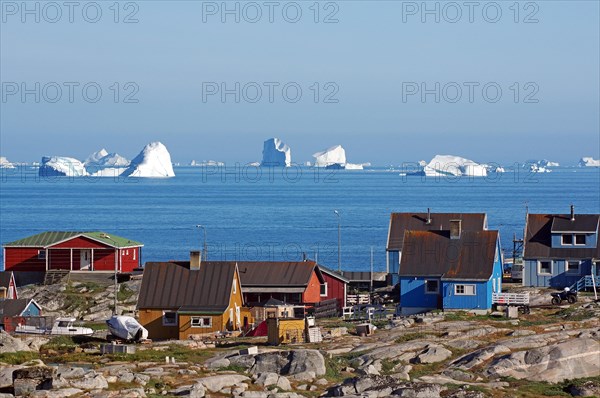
(276, 154)
(335, 158)
(450, 165)
(61, 166)
(589, 162)
(154, 161)
(206, 163)
(5, 164)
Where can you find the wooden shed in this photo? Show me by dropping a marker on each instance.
(286, 330)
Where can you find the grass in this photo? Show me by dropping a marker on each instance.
(234, 368)
(412, 336)
(387, 365)
(17, 358)
(334, 366)
(124, 293)
(534, 389)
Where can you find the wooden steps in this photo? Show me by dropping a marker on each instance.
(55, 276)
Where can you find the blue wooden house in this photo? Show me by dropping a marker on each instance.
(561, 250)
(402, 222)
(450, 270)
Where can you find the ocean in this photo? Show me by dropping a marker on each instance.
(279, 214)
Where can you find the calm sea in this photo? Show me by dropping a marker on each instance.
(254, 214)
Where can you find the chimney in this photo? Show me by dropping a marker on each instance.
(428, 216)
(455, 229)
(572, 213)
(195, 260)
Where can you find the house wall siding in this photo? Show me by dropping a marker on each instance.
(186, 329)
(335, 290)
(151, 319)
(80, 243)
(412, 290)
(559, 278)
(23, 259)
(590, 241)
(312, 293)
(480, 301)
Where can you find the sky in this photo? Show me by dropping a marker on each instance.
(391, 81)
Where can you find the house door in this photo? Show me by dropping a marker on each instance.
(85, 259)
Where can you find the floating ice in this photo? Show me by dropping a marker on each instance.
(449, 165)
(336, 155)
(5, 164)
(53, 166)
(589, 162)
(103, 159)
(153, 161)
(276, 154)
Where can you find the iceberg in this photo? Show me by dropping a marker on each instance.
(352, 166)
(61, 166)
(206, 163)
(153, 161)
(589, 162)
(103, 159)
(336, 155)
(544, 163)
(5, 164)
(276, 154)
(449, 165)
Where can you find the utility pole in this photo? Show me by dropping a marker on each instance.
(204, 249)
(371, 288)
(337, 213)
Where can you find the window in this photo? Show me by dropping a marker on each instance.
(134, 252)
(545, 267)
(169, 318)
(41, 254)
(234, 286)
(324, 289)
(201, 322)
(431, 287)
(465, 290)
(567, 239)
(572, 267)
(580, 239)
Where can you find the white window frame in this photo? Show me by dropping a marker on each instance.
(562, 240)
(464, 288)
(326, 289)
(493, 286)
(201, 323)
(539, 264)
(42, 254)
(234, 285)
(437, 291)
(575, 240)
(578, 267)
(134, 250)
(169, 323)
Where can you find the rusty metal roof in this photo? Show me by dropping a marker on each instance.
(15, 307)
(538, 236)
(5, 277)
(401, 222)
(277, 273)
(586, 223)
(173, 286)
(433, 253)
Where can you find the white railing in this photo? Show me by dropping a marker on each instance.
(355, 299)
(510, 298)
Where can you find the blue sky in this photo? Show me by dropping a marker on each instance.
(375, 52)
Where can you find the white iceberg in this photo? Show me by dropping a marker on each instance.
(153, 161)
(103, 159)
(535, 168)
(61, 166)
(334, 156)
(449, 165)
(276, 154)
(5, 164)
(544, 163)
(589, 162)
(353, 166)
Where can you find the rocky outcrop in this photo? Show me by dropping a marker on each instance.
(385, 386)
(575, 358)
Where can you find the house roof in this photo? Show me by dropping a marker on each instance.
(587, 223)
(401, 222)
(433, 253)
(14, 307)
(538, 236)
(51, 238)
(5, 277)
(333, 273)
(172, 286)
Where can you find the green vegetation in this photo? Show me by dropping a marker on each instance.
(124, 293)
(334, 366)
(387, 365)
(17, 358)
(413, 336)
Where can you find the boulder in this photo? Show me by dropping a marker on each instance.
(11, 344)
(586, 389)
(576, 358)
(273, 379)
(91, 381)
(27, 380)
(6, 375)
(302, 364)
(218, 382)
(478, 357)
(433, 354)
(62, 393)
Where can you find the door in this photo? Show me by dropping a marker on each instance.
(85, 259)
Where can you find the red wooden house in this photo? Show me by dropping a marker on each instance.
(335, 286)
(8, 286)
(72, 251)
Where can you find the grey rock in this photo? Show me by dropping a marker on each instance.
(12, 344)
(254, 394)
(576, 358)
(6, 375)
(91, 381)
(62, 393)
(478, 357)
(218, 382)
(433, 354)
(298, 363)
(586, 389)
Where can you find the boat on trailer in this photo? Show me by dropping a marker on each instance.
(64, 326)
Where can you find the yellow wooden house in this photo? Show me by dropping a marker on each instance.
(180, 299)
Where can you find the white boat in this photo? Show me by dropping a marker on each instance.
(127, 328)
(61, 327)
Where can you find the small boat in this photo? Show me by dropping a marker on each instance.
(126, 328)
(61, 327)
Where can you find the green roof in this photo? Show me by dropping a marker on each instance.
(51, 238)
